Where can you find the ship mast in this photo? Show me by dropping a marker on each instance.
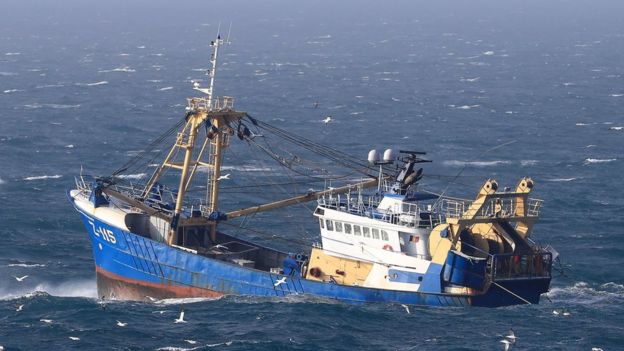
(216, 115)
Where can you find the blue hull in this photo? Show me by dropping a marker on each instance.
(133, 267)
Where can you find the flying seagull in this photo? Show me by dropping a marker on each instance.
(181, 318)
(279, 282)
(406, 308)
(152, 299)
(327, 119)
(48, 321)
(192, 342)
(511, 336)
(507, 344)
(20, 279)
(227, 176)
(75, 338)
(19, 308)
(121, 324)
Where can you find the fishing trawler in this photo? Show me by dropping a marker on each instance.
(383, 239)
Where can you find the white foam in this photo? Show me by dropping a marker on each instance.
(26, 265)
(616, 95)
(488, 53)
(584, 293)
(49, 86)
(12, 53)
(186, 300)
(70, 146)
(616, 128)
(599, 160)
(9, 91)
(469, 79)
(54, 106)
(93, 84)
(2, 181)
(247, 168)
(528, 162)
(56, 176)
(465, 107)
(118, 69)
(80, 288)
(456, 163)
(131, 176)
(581, 124)
(6, 74)
(165, 88)
(560, 179)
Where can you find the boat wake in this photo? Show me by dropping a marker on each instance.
(186, 300)
(80, 288)
(585, 294)
(561, 179)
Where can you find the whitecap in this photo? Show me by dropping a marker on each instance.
(154, 80)
(118, 69)
(79, 288)
(247, 168)
(49, 86)
(54, 106)
(2, 181)
(396, 99)
(93, 84)
(616, 128)
(560, 179)
(528, 162)
(616, 95)
(469, 79)
(456, 163)
(590, 145)
(56, 176)
(9, 91)
(165, 88)
(584, 293)
(69, 146)
(131, 176)
(186, 300)
(26, 265)
(6, 74)
(488, 53)
(12, 53)
(581, 124)
(466, 107)
(599, 160)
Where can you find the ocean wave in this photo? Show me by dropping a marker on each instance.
(118, 69)
(2, 181)
(469, 79)
(464, 107)
(56, 176)
(26, 265)
(54, 106)
(49, 86)
(247, 168)
(6, 74)
(528, 162)
(598, 160)
(186, 300)
(92, 84)
(165, 88)
(9, 91)
(12, 53)
(616, 128)
(79, 288)
(616, 95)
(586, 294)
(488, 53)
(132, 176)
(560, 179)
(456, 163)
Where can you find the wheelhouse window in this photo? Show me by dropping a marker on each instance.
(366, 232)
(375, 233)
(330, 225)
(384, 235)
(357, 230)
(338, 227)
(322, 223)
(347, 228)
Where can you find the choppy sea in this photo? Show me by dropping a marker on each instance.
(88, 84)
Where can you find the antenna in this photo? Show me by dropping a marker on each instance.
(215, 44)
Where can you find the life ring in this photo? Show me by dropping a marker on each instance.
(388, 247)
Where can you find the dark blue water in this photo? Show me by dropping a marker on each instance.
(88, 84)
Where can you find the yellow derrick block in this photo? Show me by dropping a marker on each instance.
(323, 267)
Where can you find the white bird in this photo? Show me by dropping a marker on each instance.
(181, 318)
(19, 308)
(227, 176)
(406, 308)
(511, 335)
(507, 343)
(75, 338)
(279, 282)
(121, 324)
(220, 247)
(20, 279)
(566, 313)
(152, 299)
(49, 321)
(596, 349)
(192, 342)
(555, 312)
(195, 85)
(327, 119)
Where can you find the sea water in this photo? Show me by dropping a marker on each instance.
(487, 89)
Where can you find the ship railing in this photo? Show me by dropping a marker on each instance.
(204, 103)
(406, 214)
(495, 207)
(510, 266)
